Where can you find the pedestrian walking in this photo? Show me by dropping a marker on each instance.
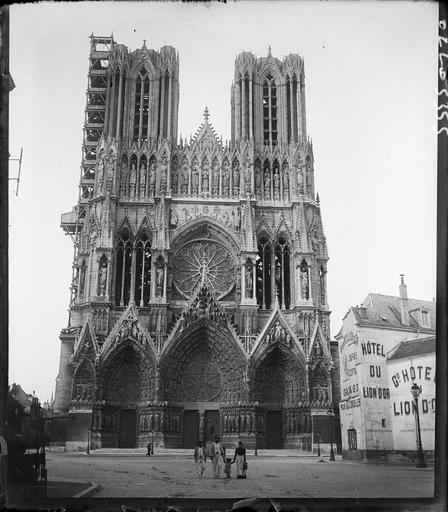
(240, 458)
(228, 468)
(217, 454)
(200, 459)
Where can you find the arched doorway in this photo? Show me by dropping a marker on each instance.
(203, 368)
(279, 389)
(127, 382)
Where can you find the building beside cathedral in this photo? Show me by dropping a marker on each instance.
(198, 296)
(386, 345)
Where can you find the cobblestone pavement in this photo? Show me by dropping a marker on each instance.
(137, 476)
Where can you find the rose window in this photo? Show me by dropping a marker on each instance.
(202, 381)
(204, 261)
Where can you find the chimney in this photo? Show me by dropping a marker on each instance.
(403, 301)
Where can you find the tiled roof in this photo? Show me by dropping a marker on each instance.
(413, 348)
(384, 310)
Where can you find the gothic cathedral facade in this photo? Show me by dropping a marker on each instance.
(198, 298)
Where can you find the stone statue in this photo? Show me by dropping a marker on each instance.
(276, 184)
(184, 179)
(152, 178)
(249, 281)
(160, 272)
(267, 182)
(248, 178)
(237, 219)
(173, 219)
(215, 178)
(123, 177)
(163, 173)
(300, 180)
(205, 179)
(236, 177)
(100, 172)
(304, 284)
(226, 179)
(132, 178)
(174, 177)
(142, 179)
(286, 184)
(103, 279)
(194, 179)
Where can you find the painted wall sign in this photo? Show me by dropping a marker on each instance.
(408, 407)
(412, 373)
(369, 392)
(350, 404)
(371, 348)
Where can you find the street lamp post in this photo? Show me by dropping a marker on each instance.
(255, 427)
(416, 392)
(330, 413)
(239, 420)
(318, 444)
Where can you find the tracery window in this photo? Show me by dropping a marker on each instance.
(143, 270)
(123, 269)
(269, 111)
(291, 108)
(263, 273)
(282, 273)
(141, 108)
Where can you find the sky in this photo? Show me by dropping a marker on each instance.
(371, 93)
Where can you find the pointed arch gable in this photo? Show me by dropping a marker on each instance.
(146, 226)
(125, 226)
(318, 339)
(262, 342)
(129, 331)
(202, 307)
(143, 61)
(86, 343)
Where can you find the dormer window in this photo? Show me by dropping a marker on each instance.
(426, 320)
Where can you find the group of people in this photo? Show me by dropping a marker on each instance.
(217, 454)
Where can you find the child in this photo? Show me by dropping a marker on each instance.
(228, 468)
(200, 459)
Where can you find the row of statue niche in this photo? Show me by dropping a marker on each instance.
(195, 179)
(139, 181)
(105, 420)
(163, 422)
(233, 220)
(244, 422)
(297, 422)
(272, 184)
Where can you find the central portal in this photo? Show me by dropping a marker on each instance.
(274, 429)
(191, 429)
(128, 428)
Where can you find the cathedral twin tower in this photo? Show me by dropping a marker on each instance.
(198, 297)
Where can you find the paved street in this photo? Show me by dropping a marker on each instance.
(163, 475)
